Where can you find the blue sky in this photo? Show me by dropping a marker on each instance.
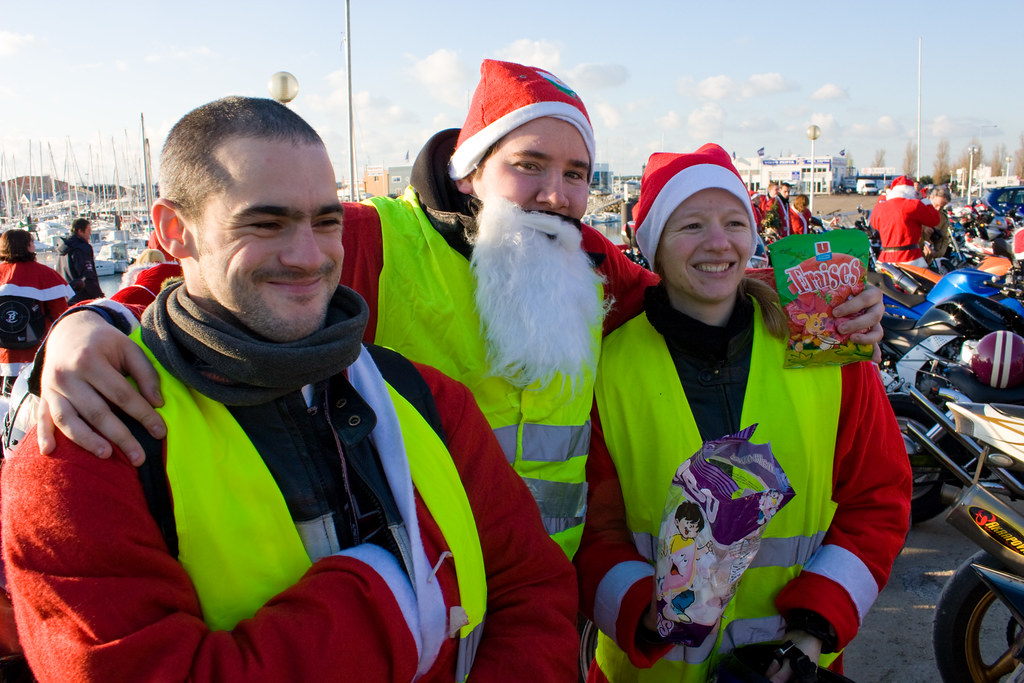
(654, 75)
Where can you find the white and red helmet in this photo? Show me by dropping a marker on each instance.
(999, 359)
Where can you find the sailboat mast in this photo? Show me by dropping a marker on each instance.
(42, 191)
(117, 183)
(147, 165)
(53, 171)
(103, 186)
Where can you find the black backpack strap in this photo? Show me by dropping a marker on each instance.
(153, 477)
(401, 374)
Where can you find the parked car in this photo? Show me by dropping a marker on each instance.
(1006, 200)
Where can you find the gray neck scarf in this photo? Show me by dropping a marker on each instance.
(233, 367)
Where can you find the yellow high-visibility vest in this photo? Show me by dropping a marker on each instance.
(650, 431)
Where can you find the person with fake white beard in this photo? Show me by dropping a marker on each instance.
(509, 297)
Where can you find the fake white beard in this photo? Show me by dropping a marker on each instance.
(536, 294)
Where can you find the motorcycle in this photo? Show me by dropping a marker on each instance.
(927, 356)
(978, 627)
(908, 293)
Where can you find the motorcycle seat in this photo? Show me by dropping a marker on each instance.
(967, 383)
(885, 284)
(897, 323)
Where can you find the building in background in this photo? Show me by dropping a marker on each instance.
(386, 182)
(831, 174)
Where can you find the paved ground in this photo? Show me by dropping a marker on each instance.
(845, 204)
(895, 642)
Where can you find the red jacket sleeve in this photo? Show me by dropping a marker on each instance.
(530, 632)
(98, 597)
(926, 214)
(625, 281)
(871, 488)
(609, 569)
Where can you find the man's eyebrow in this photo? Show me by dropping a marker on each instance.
(283, 211)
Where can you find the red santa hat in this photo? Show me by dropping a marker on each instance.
(508, 96)
(671, 179)
(902, 187)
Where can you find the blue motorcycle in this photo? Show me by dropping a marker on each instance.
(908, 295)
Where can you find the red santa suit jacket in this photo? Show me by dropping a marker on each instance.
(899, 221)
(31, 280)
(114, 604)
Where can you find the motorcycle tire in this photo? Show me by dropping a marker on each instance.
(926, 498)
(588, 645)
(973, 632)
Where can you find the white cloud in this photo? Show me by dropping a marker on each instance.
(121, 65)
(717, 88)
(706, 123)
(885, 126)
(762, 125)
(670, 121)
(538, 53)
(830, 91)
(722, 87)
(375, 111)
(597, 76)
(944, 127)
(961, 127)
(765, 84)
(610, 116)
(13, 42)
(827, 123)
(445, 76)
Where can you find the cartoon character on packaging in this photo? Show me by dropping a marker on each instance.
(676, 588)
(768, 505)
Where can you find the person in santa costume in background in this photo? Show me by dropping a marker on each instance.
(903, 221)
(481, 269)
(703, 361)
(32, 297)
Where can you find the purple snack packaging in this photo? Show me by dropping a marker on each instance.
(716, 510)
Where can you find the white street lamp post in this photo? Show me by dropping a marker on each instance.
(813, 132)
(973, 149)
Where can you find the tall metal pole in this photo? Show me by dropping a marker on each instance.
(351, 120)
(811, 202)
(813, 132)
(970, 172)
(918, 169)
(146, 165)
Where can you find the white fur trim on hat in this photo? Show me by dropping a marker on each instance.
(472, 150)
(681, 187)
(901, 192)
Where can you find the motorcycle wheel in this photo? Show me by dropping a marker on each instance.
(973, 632)
(588, 645)
(928, 475)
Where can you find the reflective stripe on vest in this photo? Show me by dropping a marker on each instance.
(544, 432)
(236, 537)
(797, 412)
